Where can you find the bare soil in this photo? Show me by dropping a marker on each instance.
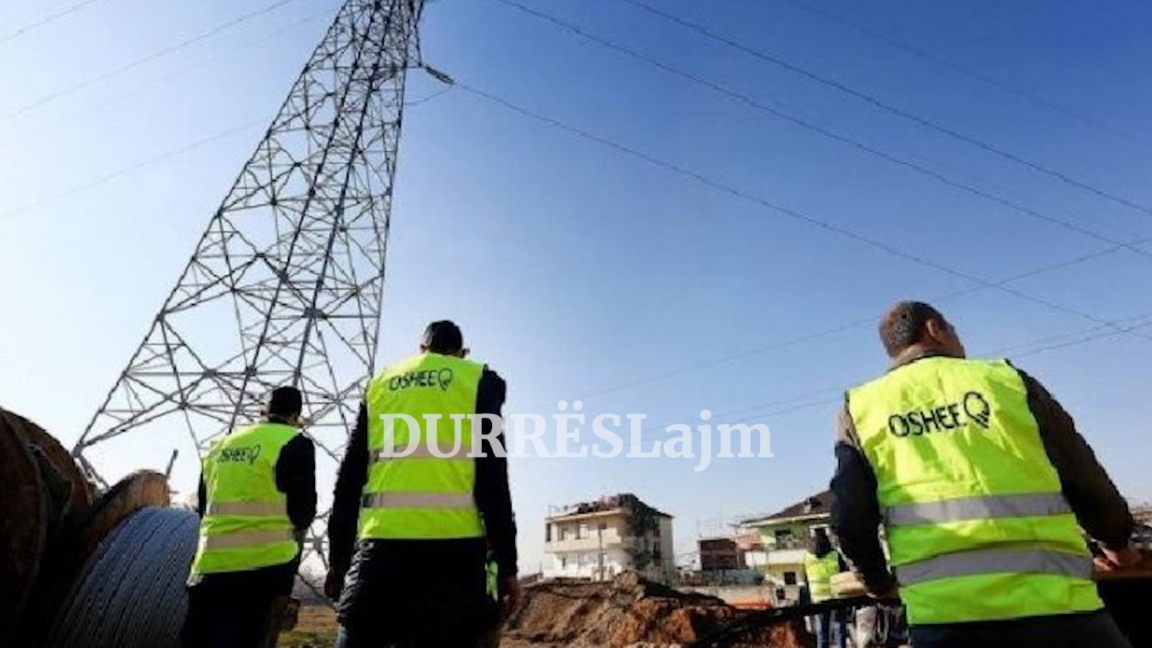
(627, 613)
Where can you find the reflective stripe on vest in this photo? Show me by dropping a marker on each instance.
(247, 508)
(975, 508)
(245, 524)
(421, 495)
(976, 524)
(995, 561)
(248, 539)
(395, 500)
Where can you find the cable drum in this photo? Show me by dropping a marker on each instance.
(131, 591)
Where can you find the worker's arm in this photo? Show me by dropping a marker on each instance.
(856, 511)
(492, 494)
(201, 497)
(1098, 505)
(296, 478)
(350, 482)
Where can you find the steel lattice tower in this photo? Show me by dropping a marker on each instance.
(285, 286)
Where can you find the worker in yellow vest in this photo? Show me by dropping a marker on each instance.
(821, 563)
(257, 497)
(982, 485)
(418, 508)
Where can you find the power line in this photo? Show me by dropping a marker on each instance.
(161, 157)
(788, 212)
(130, 168)
(983, 78)
(879, 103)
(846, 326)
(144, 59)
(1047, 344)
(33, 26)
(811, 126)
(793, 341)
(225, 53)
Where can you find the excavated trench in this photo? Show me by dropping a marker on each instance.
(629, 611)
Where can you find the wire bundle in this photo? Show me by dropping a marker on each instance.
(131, 592)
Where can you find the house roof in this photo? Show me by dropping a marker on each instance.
(816, 506)
(623, 502)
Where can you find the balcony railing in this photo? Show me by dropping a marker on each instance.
(786, 556)
(591, 543)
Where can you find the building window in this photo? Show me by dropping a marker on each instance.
(783, 536)
(547, 532)
(583, 533)
(789, 578)
(563, 562)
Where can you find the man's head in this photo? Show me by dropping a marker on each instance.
(285, 403)
(445, 338)
(911, 327)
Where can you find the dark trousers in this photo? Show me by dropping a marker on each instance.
(232, 610)
(1093, 630)
(416, 594)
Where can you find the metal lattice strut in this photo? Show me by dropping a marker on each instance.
(285, 287)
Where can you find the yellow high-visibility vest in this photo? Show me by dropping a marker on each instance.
(976, 524)
(245, 525)
(819, 572)
(422, 495)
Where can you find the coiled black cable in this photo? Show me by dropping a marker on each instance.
(131, 591)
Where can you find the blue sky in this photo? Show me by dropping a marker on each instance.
(581, 272)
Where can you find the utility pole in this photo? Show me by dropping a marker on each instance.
(600, 552)
(285, 285)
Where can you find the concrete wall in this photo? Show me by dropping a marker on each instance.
(742, 596)
(586, 564)
(574, 547)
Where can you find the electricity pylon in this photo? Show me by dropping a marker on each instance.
(286, 284)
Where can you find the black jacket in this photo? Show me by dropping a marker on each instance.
(490, 492)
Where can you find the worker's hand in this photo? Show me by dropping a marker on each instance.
(509, 588)
(889, 594)
(333, 586)
(1119, 559)
(889, 591)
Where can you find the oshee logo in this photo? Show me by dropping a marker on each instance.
(245, 454)
(427, 378)
(973, 408)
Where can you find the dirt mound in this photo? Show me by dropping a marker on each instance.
(630, 611)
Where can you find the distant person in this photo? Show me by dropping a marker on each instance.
(982, 484)
(257, 498)
(821, 563)
(410, 536)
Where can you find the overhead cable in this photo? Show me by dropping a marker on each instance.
(33, 26)
(787, 212)
(882, 105)
(972, 74)
(808, 124)
(104, 76)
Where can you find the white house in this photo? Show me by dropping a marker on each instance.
(597, 540)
